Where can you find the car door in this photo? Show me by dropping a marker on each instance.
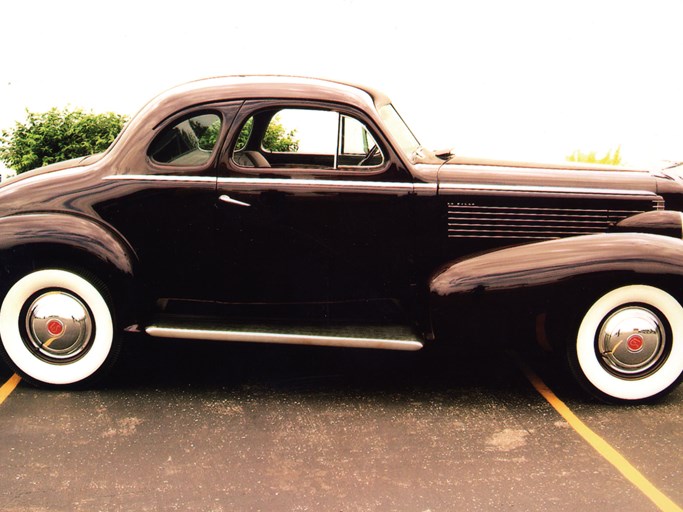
(165, 206)
(313, 207)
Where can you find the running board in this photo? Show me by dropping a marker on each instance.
(387, 338)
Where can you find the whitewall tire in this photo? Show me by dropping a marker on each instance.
(629, 345)
(56, 328)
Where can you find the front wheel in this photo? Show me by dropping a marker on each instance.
(56, 328)
(629, 346)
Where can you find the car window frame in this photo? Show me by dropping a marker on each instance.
(252, 107)
(219, 109)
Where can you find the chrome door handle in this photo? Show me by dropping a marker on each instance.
(227, 199)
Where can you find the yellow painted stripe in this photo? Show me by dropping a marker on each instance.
(599, 444)
(8, 387)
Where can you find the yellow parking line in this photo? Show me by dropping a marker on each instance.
(599, 444)
(8, 387)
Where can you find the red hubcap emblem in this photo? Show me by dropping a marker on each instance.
(635, 343)
(55, 327)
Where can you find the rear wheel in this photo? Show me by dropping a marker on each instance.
(57, 328)
(629, 346)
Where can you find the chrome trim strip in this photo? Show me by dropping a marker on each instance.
(425, 189)
(459, 187)
(511, 237)
(480, 233)
(284, 184)
(626, 213)
(279, 338)
(158, 177)
(374, 186)
(517, 224)
(532, 210)
(316, 185)
(468, 220)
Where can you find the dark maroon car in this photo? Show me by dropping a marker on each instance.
(303, 211)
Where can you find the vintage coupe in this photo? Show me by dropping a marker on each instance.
(195, 225)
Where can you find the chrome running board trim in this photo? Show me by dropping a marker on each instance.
(284, 338)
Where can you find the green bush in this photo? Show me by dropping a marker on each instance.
(57, 135)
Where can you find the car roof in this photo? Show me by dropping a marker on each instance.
(216, 90)
(226, 88)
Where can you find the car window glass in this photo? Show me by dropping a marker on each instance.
(308, 139)
(355, 139)
(302, 131)
(187, 143)
(399, 129)
(244, 135)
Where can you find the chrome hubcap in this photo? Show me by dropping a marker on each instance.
(631, 341)
(58, 326)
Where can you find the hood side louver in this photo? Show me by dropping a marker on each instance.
(467, 220)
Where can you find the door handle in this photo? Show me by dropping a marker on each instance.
(227, 199)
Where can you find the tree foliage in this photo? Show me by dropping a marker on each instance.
(591, 157)
(208, 136)
(57, 135)
(276, 138)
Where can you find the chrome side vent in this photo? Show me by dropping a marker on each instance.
(478, 221)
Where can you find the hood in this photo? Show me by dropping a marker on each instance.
(425, 156)
(533, 177)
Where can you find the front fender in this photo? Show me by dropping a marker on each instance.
(48, 233)
(551, 262)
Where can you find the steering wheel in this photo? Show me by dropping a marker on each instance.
(371, 153)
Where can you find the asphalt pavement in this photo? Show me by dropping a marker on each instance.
(211, 427)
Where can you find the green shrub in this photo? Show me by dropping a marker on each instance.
(57, 135)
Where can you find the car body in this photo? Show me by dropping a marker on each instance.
(209, 219)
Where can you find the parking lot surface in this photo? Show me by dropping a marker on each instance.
(211, 427)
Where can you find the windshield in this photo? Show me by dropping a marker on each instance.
(399, 129)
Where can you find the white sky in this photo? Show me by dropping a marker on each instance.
(507, 79)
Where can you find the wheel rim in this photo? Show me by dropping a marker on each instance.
(632, 342)
(59, 326)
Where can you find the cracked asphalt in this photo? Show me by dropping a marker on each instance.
(210, 427)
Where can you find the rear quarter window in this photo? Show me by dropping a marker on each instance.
(188, 142)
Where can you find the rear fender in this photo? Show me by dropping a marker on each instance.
(45, 232)
(69, 241)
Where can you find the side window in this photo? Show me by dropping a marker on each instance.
(356, 144)
(187, 143)
(245, 134)
(306, 139)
